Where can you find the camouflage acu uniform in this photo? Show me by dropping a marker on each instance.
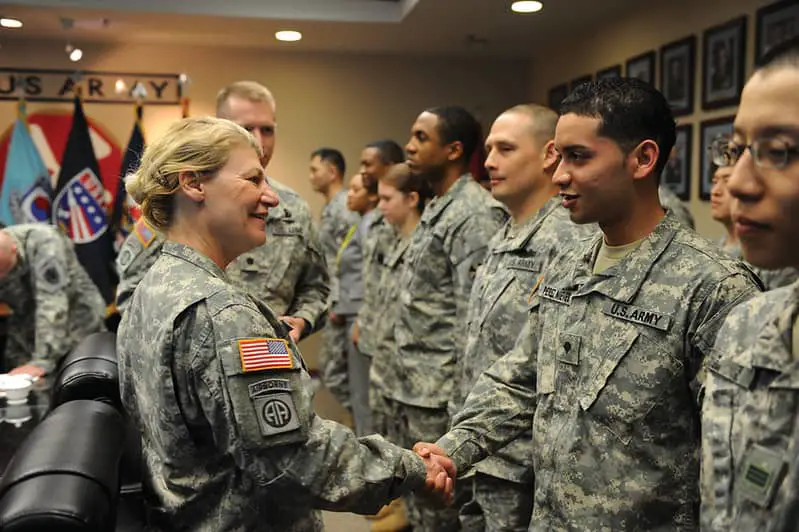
(380, 238)
(384, 373)
(606, 369)
(750, 419)
(445, 250)
(771, 278)
(669, 200)
(502, 492)
(229, 438)
(288, 272)
(336, 222)
(53, 301)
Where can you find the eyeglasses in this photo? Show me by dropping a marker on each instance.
(767, 153)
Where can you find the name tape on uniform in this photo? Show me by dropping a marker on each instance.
(637, 315)
(557, 295)
(258, 354)
(524, 263)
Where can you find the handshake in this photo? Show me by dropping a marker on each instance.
(441, 471)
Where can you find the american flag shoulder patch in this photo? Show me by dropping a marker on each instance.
(144, 232)
(258, 354)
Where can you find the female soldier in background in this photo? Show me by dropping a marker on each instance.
(222, 399)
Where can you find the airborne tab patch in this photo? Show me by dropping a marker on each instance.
(637, 315)
(258, 354)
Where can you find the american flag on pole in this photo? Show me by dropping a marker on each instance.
(265, 353)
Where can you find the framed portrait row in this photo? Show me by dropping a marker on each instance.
(723, 63)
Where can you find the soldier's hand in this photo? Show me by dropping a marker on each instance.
(297, 326)
(33, 371)
(355, 334)
(441, 470)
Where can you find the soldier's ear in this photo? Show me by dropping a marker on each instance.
(191, 186)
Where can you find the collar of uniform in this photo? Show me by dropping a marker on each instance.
(191, 255)
(622, 282)
(516, 237)
(400, 247)
(439, 204)
(22, 266)
(772, 347)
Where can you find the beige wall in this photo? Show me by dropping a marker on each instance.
(648, 28)
(337, 100)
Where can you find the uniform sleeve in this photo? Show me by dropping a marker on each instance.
(712, 311)
(48, 263)
(469, 247)
(265, 421)
(313, 287)
(133, 262)
(501, 404)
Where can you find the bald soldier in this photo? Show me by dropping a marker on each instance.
(288, 272)
(520, 161)
(54, 304)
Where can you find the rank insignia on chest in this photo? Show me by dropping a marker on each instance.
(144, 232)
(258, 354)
(763, 470)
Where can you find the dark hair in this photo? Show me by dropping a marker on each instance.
(784, 54)
(332, 156)
(456, 124)
(630, 111)
(400, 177)
(389, 151)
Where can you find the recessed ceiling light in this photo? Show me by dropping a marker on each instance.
(288, 35)
(10, 23)
(525, 6)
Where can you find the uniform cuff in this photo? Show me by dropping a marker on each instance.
(461, 449)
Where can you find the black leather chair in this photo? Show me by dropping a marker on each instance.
(65, 477)
(91, 372)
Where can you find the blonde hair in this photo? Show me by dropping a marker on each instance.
(246, 90)
(200, 146)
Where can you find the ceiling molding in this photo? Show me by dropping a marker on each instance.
(364, 11)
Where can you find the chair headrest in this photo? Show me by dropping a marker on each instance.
(65, 476)
(89, 372)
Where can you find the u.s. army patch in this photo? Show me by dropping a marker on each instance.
(51, 275)
(529, 264)
(265, 386)
(637, 315)
(276, 413)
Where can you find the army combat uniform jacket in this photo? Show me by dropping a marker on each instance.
(53, 301)
(750, 419)
(606, 371)
(230, 440)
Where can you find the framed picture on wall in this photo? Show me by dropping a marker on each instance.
(642, 67)
(556, 95)
(677, 174)
(724, 49)
(711, 130)
(776, 23)
(579, 81)
(610, 72)
(677, 67)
